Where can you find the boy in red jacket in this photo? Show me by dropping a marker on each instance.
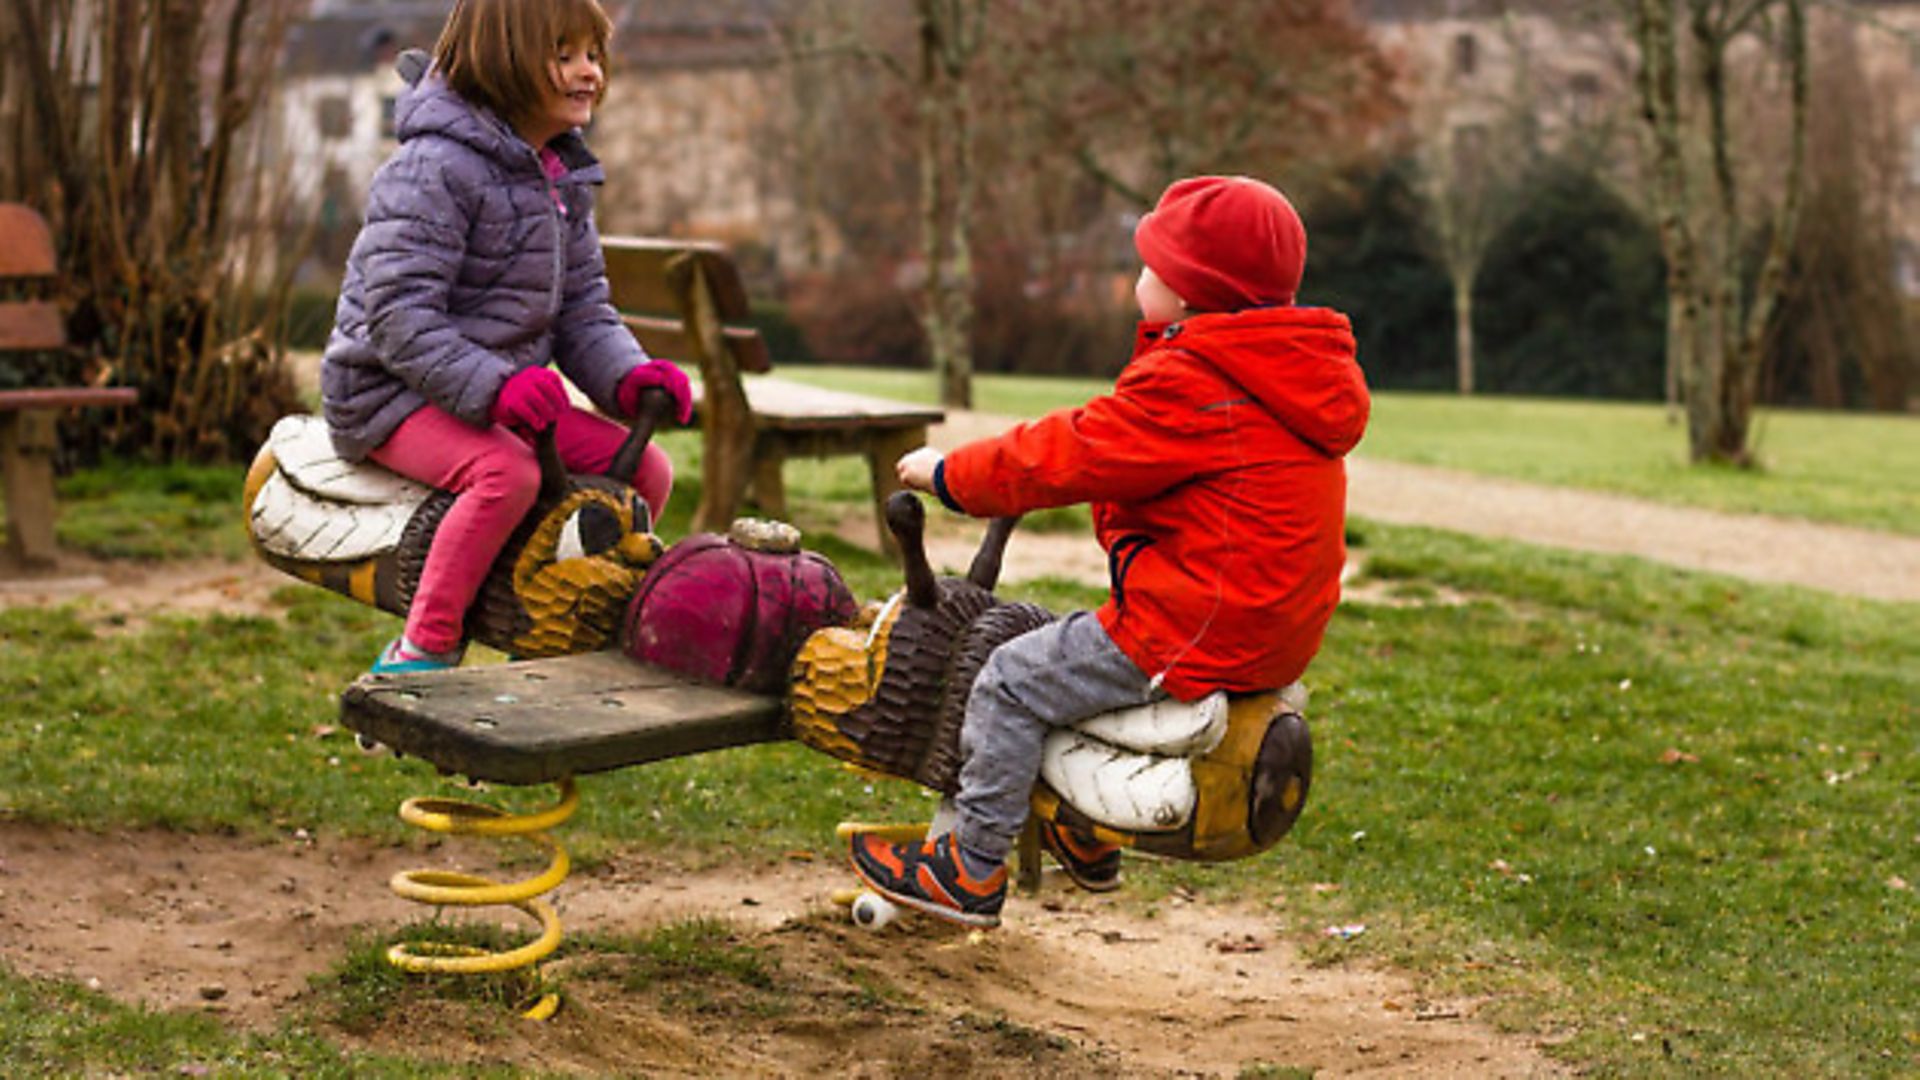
(1218, 492)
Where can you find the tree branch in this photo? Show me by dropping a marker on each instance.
(1786, 222)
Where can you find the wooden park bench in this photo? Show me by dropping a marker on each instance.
(685, 301)
(31, 322)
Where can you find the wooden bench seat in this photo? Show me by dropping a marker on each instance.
(31, 323)
(684, 300)
(796, 420)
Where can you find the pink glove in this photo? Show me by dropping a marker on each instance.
(532, 400)
(666, 376)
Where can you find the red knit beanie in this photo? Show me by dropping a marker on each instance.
(1223, 243)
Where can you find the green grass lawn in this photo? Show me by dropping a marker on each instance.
(1669, 818)
(1672, 817)
(1845, 468)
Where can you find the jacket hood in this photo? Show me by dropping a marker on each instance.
(430, 107)
(1299, 363)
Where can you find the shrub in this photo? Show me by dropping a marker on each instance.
(1571, 300)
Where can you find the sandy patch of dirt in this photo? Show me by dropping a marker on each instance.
(123, 596)
(1072, 985)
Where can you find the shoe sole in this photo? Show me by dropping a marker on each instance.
(1066, 864)
(928, 907)
(1089, 885)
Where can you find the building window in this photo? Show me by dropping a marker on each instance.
(1466, 54)
(334, 116)
(386, 116)
(1585, 106)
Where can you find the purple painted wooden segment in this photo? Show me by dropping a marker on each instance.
(712, 610)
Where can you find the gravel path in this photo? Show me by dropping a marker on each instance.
(1858, 562)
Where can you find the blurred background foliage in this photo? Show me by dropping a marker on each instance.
(210, 241)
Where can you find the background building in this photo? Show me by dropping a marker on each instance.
(683, 134)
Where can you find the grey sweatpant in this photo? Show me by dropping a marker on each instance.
(1057, 675)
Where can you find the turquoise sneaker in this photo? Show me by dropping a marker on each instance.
(401, 657)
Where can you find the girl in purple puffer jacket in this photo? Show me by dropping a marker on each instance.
(479, 264)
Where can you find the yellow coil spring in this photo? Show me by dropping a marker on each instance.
(468, 890)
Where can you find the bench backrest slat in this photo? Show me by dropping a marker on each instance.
(649, 281)
(668, 338)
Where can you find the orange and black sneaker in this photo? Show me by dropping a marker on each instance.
(929, 876)
(1092, 865)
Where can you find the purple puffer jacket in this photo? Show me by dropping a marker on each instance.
(465, 272)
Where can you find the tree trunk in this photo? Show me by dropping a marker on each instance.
(1745, 333)
(1672, 210)
(949, 38)
(1463, 332)
(1715, 342)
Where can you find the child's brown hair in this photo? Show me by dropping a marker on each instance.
(499, 53)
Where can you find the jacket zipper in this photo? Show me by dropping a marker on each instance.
(558, 221)
(1120, 560)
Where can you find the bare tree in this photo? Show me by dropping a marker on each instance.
(131, 131)
(951, 34)
(1474, 147)
(1717, 323)
(1843, 313)
(1025, 127)
(1142, 92)
(929, 54)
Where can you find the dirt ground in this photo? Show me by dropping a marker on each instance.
(234, 928)
(1072, 985)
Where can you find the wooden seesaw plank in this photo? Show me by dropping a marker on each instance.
(539, 721)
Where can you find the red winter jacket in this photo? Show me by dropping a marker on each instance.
(1217, 487)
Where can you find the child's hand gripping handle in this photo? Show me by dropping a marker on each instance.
(656, 374)
(532, 401)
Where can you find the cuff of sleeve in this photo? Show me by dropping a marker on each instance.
(940, 489)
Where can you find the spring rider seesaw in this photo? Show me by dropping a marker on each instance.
(628, 651)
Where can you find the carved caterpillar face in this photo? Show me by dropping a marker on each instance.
(580, 566)
(892, 698)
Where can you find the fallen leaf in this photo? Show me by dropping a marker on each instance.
(1898, 882)
(321, 731)
(1673, 756)
(1245, 943)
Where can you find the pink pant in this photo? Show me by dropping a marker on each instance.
(495, 478)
